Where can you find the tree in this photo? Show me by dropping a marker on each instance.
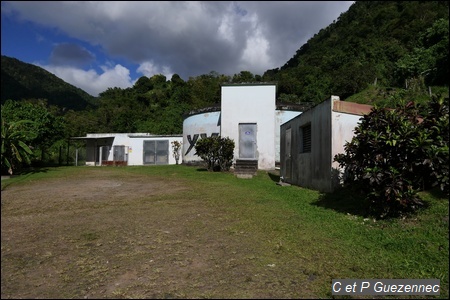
(393, 155)
(243, 76)
(177, 81)
(15, 151)
(143, 85)
(47, 126)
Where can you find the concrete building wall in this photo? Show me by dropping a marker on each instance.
(205, 124)
(343, 126)
(333, 123)
(136, 149)
(133, 146)
(251, 104)
(281, 116)
(346, 116)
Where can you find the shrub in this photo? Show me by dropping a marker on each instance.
(216, 151)
(394, 154)
(436, 125)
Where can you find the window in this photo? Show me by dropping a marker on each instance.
(305, 138)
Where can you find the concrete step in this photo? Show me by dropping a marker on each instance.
(245, 168)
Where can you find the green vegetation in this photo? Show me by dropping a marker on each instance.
(388, 51)
(205, 234)
(216, 151)
(44, 125)
(382, 53)
(21, 81)
(389, 44)
(15, 151)
(394, 154)
(378, 52)
(176, 150)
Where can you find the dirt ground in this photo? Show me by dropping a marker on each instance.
(103, 236)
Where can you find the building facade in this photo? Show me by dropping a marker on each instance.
(249, 115)
(310, 141)
(130, 149)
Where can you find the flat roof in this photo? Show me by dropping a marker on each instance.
(247, 83)
(91, 137)
(130, 135)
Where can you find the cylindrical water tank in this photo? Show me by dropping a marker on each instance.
(199, 124)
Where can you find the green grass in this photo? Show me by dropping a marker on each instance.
(324, 235)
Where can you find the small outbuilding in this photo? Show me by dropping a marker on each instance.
(129, 149)
(310, 141)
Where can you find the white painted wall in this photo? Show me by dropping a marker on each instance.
(343, 130)
(251, 104)
(282, 116)
(134, 146)
(136, 149)
(194, 128)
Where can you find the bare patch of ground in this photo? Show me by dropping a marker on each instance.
(104, 236)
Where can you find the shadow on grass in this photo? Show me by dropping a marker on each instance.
(352, 201)
(33, 170)
(344, 200)
(21, 175)
(438, 193)
(27, 171)
(274, 177)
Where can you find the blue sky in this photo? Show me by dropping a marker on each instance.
(96, 45)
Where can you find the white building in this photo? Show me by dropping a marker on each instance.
(132, 149)
(249, 115)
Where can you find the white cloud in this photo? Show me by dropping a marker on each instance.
(149, 69)
(92, 82)
(188, 38)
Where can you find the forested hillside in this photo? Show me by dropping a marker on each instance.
(387, 43)
(375, 52)
(21, 80)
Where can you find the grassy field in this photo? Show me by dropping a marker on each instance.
(182, 232)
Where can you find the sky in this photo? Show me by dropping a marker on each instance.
(96, 45)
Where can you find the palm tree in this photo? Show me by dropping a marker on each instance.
(14, 149)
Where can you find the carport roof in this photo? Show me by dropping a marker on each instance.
(91, 137)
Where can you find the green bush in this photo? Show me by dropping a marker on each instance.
(436, 125)
(395, 153)
(216, 151)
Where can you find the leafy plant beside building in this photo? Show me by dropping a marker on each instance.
(216, 151)
(396, 153)
(176, 148)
